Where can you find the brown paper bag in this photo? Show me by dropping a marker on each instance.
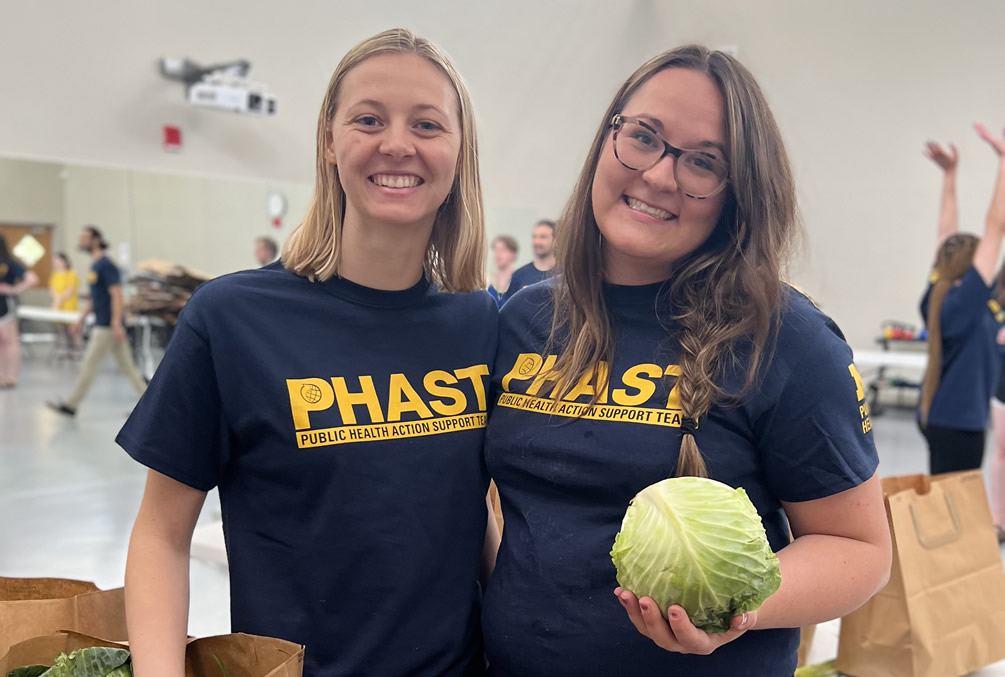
(943, 612)
(241, 655)
(30, 607)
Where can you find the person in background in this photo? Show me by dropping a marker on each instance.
(65, 288)
(504, 252)
(109, 333)
(14, 279)
(64, 284)
(266, 250)
(998, 426)
(544, 258)
(963, 321)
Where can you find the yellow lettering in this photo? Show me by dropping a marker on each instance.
(432, 385)
(474, 374)
(367, 397)
(396, 406)
(307, 395)
(633, 379)
(547, 373)
(673, 400)
(859, 389)
(526, 366)
(586, 385)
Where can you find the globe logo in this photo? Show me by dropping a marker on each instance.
(311, 393)
(527, 368)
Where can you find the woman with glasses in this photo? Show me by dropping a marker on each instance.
(670, 332)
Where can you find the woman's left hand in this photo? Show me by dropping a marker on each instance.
(679, 634)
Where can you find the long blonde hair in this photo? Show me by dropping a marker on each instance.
(954, 258)
(455, 257)
(726, 291)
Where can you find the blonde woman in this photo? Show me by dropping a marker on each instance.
(668, 314)
(963, 320)
(338, 400)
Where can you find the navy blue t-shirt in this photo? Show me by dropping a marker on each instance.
(10, 272)
(344, 427)
(102, 277)
(525, 276)
(971, 357)
(804, 433)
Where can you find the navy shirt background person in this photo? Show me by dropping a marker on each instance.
(504, 252)
(108, 335)
(14, 279)
(963, 320)
(668, 345)
(540, 269)
(338, 399)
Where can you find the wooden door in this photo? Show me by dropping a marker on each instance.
(14, 233)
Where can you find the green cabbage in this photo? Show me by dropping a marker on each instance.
(94, 662)
(697, 543)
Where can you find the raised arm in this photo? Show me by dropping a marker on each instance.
(989, 249)
(947, 160)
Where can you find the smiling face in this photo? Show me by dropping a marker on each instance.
(646, 221)
(395, 139)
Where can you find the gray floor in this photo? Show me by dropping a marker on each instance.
(68, 494)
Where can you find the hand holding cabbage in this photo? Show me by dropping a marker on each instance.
(699, 544)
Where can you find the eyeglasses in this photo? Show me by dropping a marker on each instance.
(639, 147)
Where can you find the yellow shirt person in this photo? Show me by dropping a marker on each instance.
(64, 284)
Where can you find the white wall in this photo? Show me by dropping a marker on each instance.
(857, 87)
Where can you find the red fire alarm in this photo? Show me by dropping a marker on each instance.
(172, 139)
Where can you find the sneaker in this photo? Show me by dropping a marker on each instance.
(62, 408)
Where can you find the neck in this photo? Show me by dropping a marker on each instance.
(632, 272)
(503, 276)
(97, 253)
(383, 256)
(544, 263)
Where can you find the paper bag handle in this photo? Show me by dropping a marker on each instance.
(931, 543)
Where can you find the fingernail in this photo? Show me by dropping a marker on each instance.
(674, 615)
(743, 622)
(644, 607)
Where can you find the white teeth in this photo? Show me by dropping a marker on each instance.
(641, 206)
(396, 180)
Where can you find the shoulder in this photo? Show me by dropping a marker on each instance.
(241, 292)
(529, 307)
(805, 335)
(476, 303)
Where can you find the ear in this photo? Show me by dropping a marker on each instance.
(330, 146)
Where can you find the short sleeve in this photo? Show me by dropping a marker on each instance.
(110, 275)
(965, 304)
(178, 428)
(816, 439)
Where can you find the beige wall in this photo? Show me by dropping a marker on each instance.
(857, 87)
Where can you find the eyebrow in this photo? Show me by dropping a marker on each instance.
(655, 122)
(378, 104)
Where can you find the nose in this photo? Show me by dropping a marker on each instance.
(661, 176)
(397, 142)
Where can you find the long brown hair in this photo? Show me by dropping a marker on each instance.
(455, 256)
(726, 291)
(954, 258)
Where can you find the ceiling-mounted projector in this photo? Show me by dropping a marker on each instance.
(223, 86)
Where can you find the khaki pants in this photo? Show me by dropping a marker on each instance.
(102, 342)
